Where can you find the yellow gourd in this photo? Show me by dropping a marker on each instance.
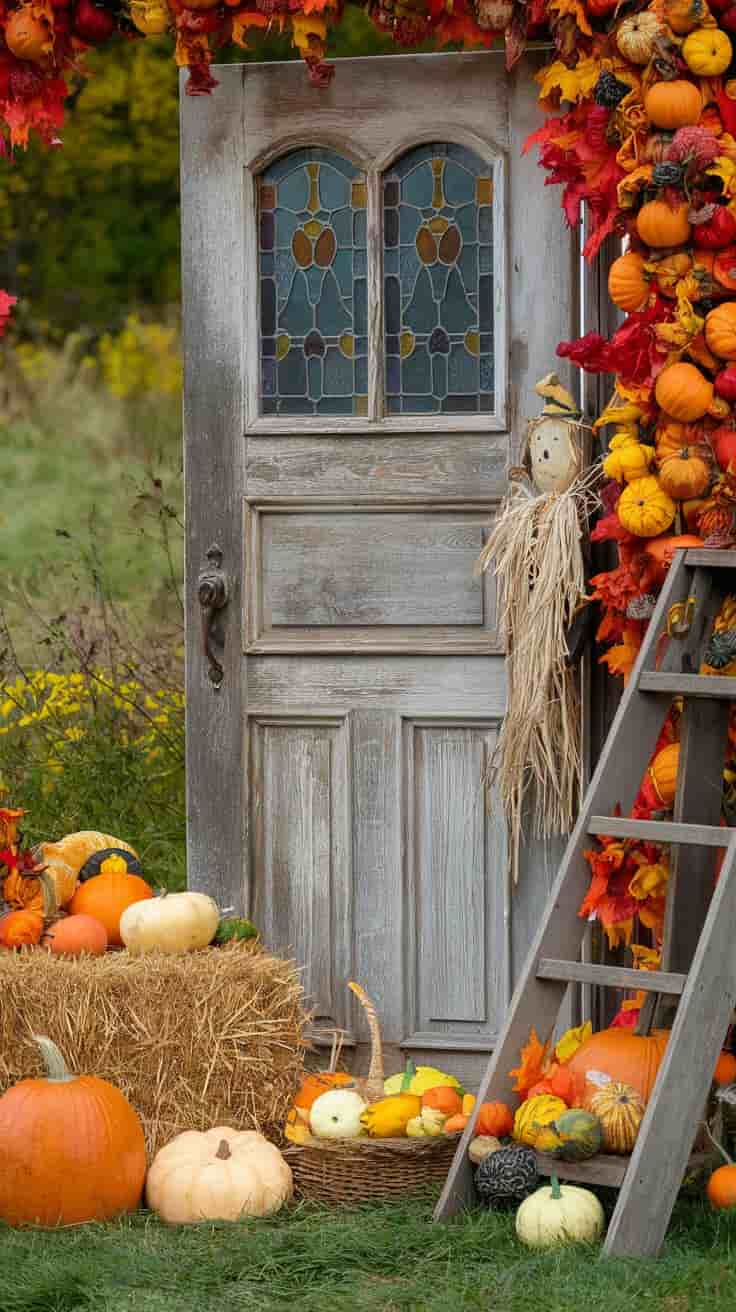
(707, 52)
(644, 509)
(533, 1114)
(627, 461)
(389, 1117)
(418, 1080)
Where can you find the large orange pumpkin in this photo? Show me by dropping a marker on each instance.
(627, 1057)
(663, 773)
(628, 284)
(720, 330)
(72, 1148)
(673, 105)
(107, 895)
(685, 474)
(683, 392)
(660, 224)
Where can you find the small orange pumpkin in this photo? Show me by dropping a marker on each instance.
(661, 551)
(673, 105)
(28, 36)
(108, 894)
(683, 16)
(720, 330)
(455, 1124)
(661, 224)
(70, 936)
(494, 1118)
(683, 392)
(20, 929)
(685, 474)
(725, 1072)
(628, 284)
(663, 773)
(670, 436)
(443, 1098)
(721, 1188)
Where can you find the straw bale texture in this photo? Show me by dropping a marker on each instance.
(211, 1038)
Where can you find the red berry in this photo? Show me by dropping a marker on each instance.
(725, 384)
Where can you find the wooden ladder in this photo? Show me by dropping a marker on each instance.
(698, 967)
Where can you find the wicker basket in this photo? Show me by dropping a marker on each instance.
(340, 1171)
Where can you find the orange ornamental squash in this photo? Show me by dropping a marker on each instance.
(71, 936)
(673, 105)
(707, 51)
(644, 509)
(660, 224)
(683, 392)
(670, 436)
(628, 283)
(663, 773)
(443, 1098)
(671, 270)
(683, 16)
(720, 330)
(725, 1072)
(315, 1084)
(661, 551)
(494, 1118)
(626, 1057)
(685, 474)
(21, 929)
(72, 1148)
(108, 894)
(28, 35)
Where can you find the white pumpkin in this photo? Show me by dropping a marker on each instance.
(173, 923)
(559, 1214)
(217, 1175)
(336, 1114)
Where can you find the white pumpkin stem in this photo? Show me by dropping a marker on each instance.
(556, 1191)
(373, 1084)
(57, 1070)
(223, 1152)
(719, 1147)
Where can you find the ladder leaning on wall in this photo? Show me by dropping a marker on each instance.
(698, 969)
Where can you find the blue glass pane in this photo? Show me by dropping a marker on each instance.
(438, 212)
(313, 266)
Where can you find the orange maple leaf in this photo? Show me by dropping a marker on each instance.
(531, 1068)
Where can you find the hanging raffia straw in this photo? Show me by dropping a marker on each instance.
(535, 551)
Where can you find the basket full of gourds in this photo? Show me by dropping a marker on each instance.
(354, 1139)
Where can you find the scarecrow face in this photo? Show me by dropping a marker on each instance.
(554, 455)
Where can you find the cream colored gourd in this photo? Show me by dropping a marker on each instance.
(172, 923)
(217, 1175)
(559, 1214)
(336, 1115)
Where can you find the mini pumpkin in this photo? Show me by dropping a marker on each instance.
(663, 773)
(494, 1118)
(661, 551)
(685, 474)
(71, 936)
(720, 330)
(644, 509)
(559, 1214)
(628, 282)
(443, 1098)
(683, 392)
(218, 1175)
(171, 923)
(721, 1187)
(672, 105)
(707, 51)
(29, 34)
(636, 37)
(482, 1146)
(725, 1072)
(151, 17)
(336, 1114)
(72, 1148)
(108, 894)
(505, 1178)
(21, 929)
(683, 16)
(620, 1110)
(660, 224)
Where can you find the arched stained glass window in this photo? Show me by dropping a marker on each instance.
(438, 282)
(313, 301)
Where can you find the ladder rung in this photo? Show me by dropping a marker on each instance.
(716, 686)
(660, 831)
(612, 977)
(705, 558)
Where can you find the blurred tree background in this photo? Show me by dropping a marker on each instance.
(90, 231)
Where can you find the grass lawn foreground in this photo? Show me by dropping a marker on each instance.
(375, 1259)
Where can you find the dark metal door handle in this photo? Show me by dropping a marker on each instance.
(213, 591)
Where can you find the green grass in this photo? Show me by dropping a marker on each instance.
(379, 1259)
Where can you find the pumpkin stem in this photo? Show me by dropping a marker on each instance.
(409, 1074)
(223, 1152)
(719, 1147)
(56, 1068)
(556, 1191)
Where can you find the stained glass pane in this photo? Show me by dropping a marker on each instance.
(312, 267)
(438, 282)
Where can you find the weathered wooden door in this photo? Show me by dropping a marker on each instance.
(374, 279)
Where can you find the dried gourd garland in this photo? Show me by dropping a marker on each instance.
(535, 551)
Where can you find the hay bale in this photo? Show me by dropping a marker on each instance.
(211, 1038)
